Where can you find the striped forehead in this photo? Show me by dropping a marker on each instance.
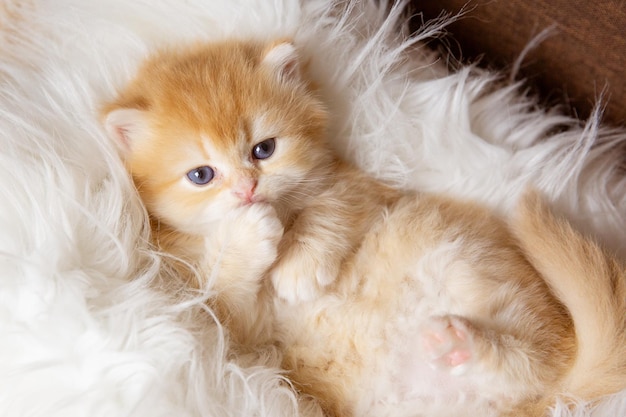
(239, 140)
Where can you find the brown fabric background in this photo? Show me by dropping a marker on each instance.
(585, 53)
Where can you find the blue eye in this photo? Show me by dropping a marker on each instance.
(201, 175)
(264, 150)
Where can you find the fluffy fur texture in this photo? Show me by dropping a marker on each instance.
(87, 328)
(384, 302)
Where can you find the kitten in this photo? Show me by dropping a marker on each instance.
(384, 302)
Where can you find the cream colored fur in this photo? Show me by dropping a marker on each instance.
(384, 302)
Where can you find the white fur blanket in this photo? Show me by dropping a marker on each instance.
(84, 330)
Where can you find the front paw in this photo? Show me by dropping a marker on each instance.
(301, 275)
(249, 238)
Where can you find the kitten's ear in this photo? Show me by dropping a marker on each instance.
(282, 59)
(124, 126)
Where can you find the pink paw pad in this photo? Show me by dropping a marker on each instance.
(446, 342)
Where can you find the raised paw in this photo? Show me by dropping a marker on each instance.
(446, 341)
(262, 226)
(249, 238)
(300, 275)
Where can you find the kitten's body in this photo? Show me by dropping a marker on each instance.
(426, 270)
(384, 302)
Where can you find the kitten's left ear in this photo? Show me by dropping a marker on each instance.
(282, 59)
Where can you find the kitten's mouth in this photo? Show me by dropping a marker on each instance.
(253, 200)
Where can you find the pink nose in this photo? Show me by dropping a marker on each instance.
(245, 190)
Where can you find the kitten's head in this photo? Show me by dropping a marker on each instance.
(214, 127)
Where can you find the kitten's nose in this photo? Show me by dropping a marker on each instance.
(245, 190)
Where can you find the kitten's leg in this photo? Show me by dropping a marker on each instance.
(310, 255)
(238, 257)
(303, 270)
(243, 248)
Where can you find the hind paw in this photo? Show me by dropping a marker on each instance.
(447, 343)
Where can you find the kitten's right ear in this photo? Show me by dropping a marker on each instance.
(282, 59)
(124, 126)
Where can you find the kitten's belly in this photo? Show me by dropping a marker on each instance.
(362, 340)
(433, 396)
(376, 362)
(406, 385)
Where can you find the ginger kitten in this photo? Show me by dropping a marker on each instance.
(384, 302)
